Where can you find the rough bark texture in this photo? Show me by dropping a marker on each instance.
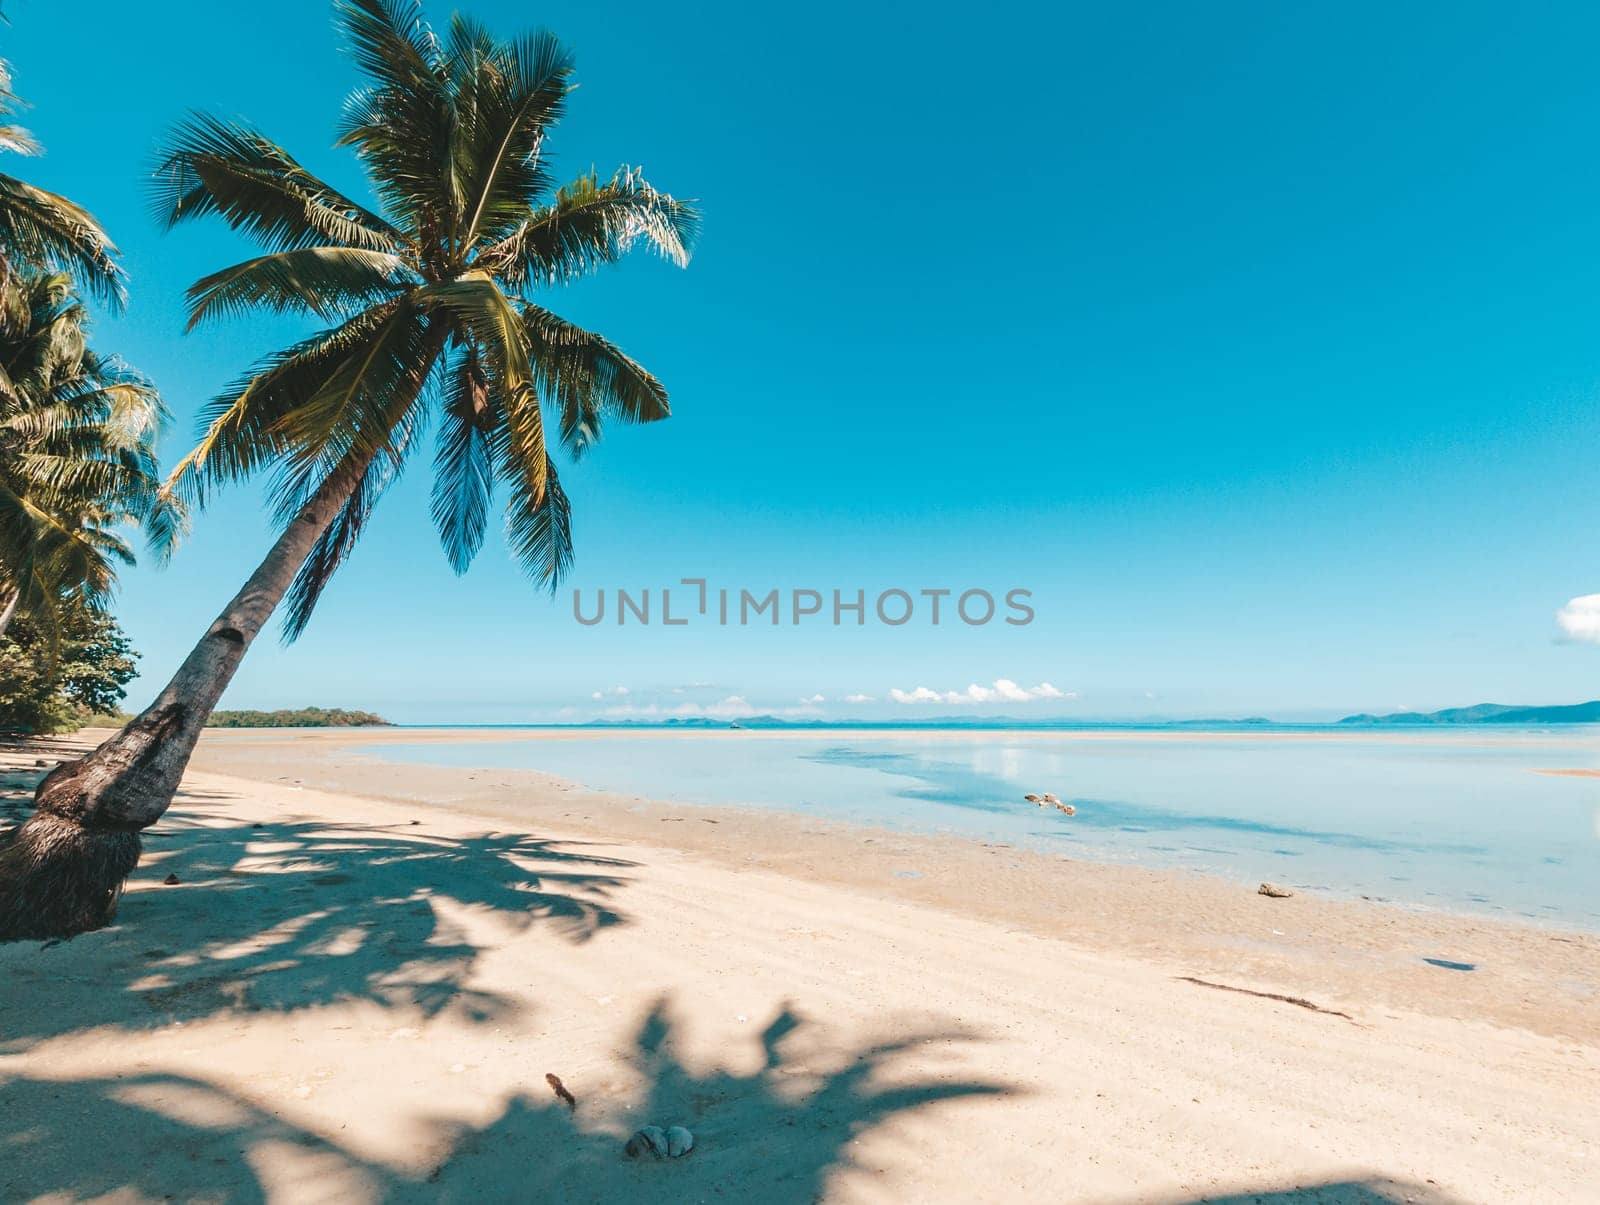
(9, 609)
(61, 871)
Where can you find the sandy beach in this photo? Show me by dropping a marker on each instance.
(363, 974)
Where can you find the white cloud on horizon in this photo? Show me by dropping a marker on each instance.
(859, 699)
(1004, 690)
(814, 699)
(616, 692)
(732, 707)
(1580, 619)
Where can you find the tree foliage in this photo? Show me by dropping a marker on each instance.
(78, 464)
(297, 717)
(53, 681)
(439, 287)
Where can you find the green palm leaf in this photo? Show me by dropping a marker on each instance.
(590, 224)
(77, 453)
(464, 464)
(588, 377)
(43, 229)
(221, 168)
(322, 281)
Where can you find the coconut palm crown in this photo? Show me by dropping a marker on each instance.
(427, 308)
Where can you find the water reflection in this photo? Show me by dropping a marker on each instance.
(1454, 821)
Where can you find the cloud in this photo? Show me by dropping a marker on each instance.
(731, 707)
(859, 699)
(920, 695)
(616, 692)
(1004, 690)
(1580, 619)
(814, 699)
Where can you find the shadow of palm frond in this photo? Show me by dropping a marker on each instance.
(155, 1136)
(298, 914)
(776, 1134)
(1378, 1190)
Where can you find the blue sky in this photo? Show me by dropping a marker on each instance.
(1262, 346)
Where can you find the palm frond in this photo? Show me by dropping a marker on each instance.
(475, 302)
(539, 522)
(391, 41)
(464, 463)
(214, 167)
(354, 415)
(400, 125)
(77, 445)
(17, 140)
(506, 100)
(39, 227)
(323, 281)
(588, 377)
(13, 138)
(240, 427)
(590, 224)
(396, 413)
(334, 546)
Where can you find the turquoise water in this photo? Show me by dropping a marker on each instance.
(1453, 820)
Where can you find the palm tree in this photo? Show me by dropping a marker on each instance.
(77, 455)
(40, 228)
(428, 317)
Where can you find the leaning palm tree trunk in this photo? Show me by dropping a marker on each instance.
(9, 607)
(62, 871)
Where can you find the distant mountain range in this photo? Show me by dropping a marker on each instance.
(1489, 713)
(1483, 713)
(955, 721)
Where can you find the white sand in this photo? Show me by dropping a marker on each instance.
(340, 1005)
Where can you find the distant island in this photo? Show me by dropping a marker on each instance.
(300, 717)
(1489, 713)
(955, 721)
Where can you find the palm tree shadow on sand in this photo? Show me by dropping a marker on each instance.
(297, 914)
(777, 1132)
(1377, 1191)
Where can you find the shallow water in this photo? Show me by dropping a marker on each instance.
(1453, 820)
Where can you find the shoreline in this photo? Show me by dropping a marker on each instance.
(360, 979)
(352, 743)
(1312, 943)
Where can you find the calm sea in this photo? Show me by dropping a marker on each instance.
(1452, 819)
